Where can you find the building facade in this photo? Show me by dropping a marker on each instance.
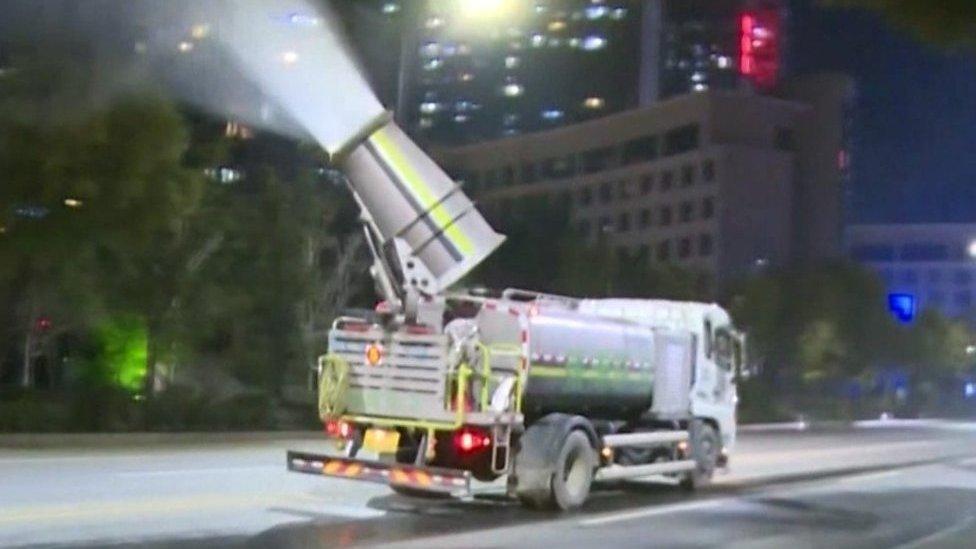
(464, 74)
(933, 264)
(709, 181)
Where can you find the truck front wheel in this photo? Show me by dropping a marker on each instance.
(705, 449)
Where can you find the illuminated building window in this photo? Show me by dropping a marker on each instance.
(594, 42)
(461, 118)
(429, 107)
(513, 90)
(433, 64)
(618, 13)
(552, 114)
(557, 26)
(593, 103)
(596, 12)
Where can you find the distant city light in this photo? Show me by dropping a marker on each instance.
(304, 20)
(538, 40)
(596, 12)
(434, 22)
(618, 13)
(429, 107)
(466, 77)
(557, 25)
(513, 90)
(594, 42)
(971, 249)
(3, 230)
(970, 390)
(971, 350)
(390, 8)
(73, 203)
(593, 102)
(289, 57)
(552, 114)
(483, 9)
(723, 62)
(185, 47)
(700, 87)
(433, 64)
(902, 306)
(461, 118)
(512, 62)
(200, 31)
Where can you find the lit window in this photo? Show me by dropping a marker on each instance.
(512, 61)
(557, 26)
(594, 42)
(552, 114)
(433, 64)
(596, 12)
(429, 107)
(593, 102)
(513, 90)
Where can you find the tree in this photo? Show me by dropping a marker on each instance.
(949, 23)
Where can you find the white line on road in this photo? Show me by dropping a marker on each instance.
(202, 471)
(654, 511)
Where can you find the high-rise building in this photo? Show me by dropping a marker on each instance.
(469, 70)
(722, 182)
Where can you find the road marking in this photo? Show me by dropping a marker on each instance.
(868, 477)
(654, 511)
(155, 507)
(201, 471)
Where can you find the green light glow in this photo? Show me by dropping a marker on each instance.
(123, 352)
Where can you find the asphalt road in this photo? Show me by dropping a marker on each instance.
(891, 484)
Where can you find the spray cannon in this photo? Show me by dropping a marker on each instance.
(424, 233)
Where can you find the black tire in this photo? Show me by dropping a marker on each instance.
(705, 450)
(568, 484)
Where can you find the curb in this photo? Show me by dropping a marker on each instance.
(38, 441)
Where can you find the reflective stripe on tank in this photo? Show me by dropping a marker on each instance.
(420, 193)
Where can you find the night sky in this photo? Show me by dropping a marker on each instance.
(915, 137)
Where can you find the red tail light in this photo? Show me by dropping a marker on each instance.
(468, 440)
(338, 429)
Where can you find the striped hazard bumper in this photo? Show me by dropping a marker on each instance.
(430, 479)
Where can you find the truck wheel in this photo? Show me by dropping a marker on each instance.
(705, 447)
(569, 482)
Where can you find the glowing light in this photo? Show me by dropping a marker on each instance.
(373, 355)
(538, 40)
(200, 31)
(429, 107)
(552, 114)
(466, 77)
(512, 61)
(971, 249)
(484, 9)
(513, 90)
(289, 57)
(902, 306)
(594, 102)
(970, 390)
(185, 47)
(390, 8)
(594, 42)
(556, 26)
(73, 203)
(746, 60)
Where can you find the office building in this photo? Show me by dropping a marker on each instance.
(463, 75)
(717, 182)
(933, 264)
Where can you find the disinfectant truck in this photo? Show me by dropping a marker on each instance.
(437, 390)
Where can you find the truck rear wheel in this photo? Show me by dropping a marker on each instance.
(569, 483)
(705, 449)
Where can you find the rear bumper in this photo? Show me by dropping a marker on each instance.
(435, 480)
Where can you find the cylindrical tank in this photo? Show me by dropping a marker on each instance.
(578, 363)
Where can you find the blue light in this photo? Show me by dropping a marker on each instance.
(970, 390)
(902, 306)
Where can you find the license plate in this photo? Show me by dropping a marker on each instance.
(381, 441)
